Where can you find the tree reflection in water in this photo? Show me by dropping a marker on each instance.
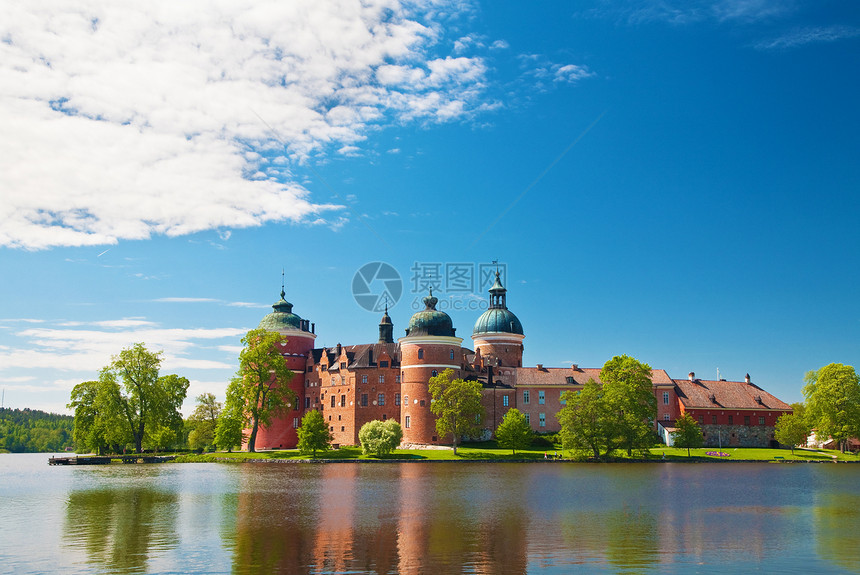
(121, 529)
(836, 520)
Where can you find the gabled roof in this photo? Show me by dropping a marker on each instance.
(710, 394)
(549, 376)
(358, 356)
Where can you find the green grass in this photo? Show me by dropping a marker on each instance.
(489, 451)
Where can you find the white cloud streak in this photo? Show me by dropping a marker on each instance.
(124, 120)
(813, 35)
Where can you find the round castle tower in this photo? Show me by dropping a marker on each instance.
(281, 433)
(498, 333)
(429, 348)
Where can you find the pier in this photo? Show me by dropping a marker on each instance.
(107, 459)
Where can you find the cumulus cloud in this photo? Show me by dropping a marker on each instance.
(121, 121)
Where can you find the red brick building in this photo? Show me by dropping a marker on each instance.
(352, 385)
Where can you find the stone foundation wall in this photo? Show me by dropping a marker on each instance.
(737, 435)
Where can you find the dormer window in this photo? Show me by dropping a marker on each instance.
(569, 379)
(383, 363)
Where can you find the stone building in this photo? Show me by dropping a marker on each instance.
(354, 384)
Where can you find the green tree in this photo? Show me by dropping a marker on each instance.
(456, 405)
(203, 421)
(514, 432)
(314, 434)
(260, 389)
(130, 402)
(791, 429)
(229, 429)
(833, 402)
(629, 393)
(380, 437)
(586, 421)
(687, 433)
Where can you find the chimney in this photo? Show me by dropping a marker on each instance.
(540, 366)
(747, 378)
(692, 375)
(339, 348)
(574, 367)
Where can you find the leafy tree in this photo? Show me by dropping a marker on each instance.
(228, 430)
(129, 403)
(630, 397)
(586, 421)
(260, 389)
(314, 434)
(514, 432)
(203, 421)
(687, 433)
(456, 405)
(31, 430)
(380, 437)
(833, 402)
(791, 429)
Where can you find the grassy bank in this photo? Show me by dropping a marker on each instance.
(489, 451)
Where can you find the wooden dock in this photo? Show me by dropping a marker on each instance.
(108, 459)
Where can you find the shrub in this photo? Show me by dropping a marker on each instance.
(380, 437)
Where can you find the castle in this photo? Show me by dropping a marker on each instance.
(388, 379)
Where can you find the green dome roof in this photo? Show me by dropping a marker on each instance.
(282, 317)
(430, 321)
(498, 320)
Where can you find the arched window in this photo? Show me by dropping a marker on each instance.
(420, 354)
(434, 373)
(452, 354)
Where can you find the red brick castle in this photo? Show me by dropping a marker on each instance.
(352, 385)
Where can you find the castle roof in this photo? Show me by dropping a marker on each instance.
(430, 321)
(550, 376)
(282, 316)
(721, 394)
(358, 356)
(498, 318)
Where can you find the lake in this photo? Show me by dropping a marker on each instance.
(545, 517)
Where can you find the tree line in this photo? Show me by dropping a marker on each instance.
(34, 431)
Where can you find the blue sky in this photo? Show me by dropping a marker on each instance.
(676, 181)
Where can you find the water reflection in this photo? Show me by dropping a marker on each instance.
(836, 519)
(120, 529)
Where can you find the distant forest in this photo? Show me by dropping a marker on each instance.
(34, 431)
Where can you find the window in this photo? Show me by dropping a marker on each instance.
(397, 378)
(383, 417)
(381, 399)
(701, 419)
(761, 420)
(665, 398)
(542, 419)
(569, 379)
(334, 381)
(528, 419)
(396, 399)
(296, 406)
(525, 397)
(541, 397)
(452, 354)
(341, 427)
(746, 419)
(363, 379)
(505, 400)
(310, 368)
(665, 417)
(333, 399)
(422, 403)
(307, 402)
(420, 354)
(383, 363)
(343, 401)
(561, 400)
(381, 379)
(363, 400)
(731, 420)
(307, 383)
(434, 373)
(477, 418)
(714, 419)
(295, 423)
(406, 400)
(343, 365)
(406, 422)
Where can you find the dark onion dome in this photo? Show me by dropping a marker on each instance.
(282, 317)
(430, 321)
(498, 321)
(498, 318)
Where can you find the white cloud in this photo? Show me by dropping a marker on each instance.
(185, 300)
(121, 121)
(813, 35)
(571, 73)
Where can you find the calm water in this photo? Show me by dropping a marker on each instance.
(428, 518)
